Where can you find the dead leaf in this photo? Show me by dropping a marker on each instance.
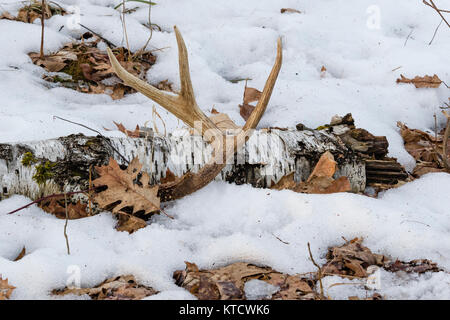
(21, 254)
(7, 16)
(414, 266)
(129, 133)
(320, 180)
(170, 177)
(56, 206)
(245, 110)
(289, 10)
(351, 259)
(5, 289)
(423, 146)
(129, 223)
(122, 192)
(228, 282)
(116, 288)
(165, 85)
(251, 95)
(422, 82)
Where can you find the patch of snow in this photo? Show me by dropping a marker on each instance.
(257, 290)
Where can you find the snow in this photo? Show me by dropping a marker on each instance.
(224, 223)
(257, 289)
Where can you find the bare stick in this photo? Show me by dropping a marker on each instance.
(319, 273)
(437, 10)
(441, 10)
(106, 139)
(42, 29)
(435, 32)
(445, 143)
(65, 225)
(51, 196)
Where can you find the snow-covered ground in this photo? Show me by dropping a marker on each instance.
(359, 42)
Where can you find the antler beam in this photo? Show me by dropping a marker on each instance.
(184, 107)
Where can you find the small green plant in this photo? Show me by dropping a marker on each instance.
(43, 172)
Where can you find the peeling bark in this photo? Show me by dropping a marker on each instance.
(269, 155)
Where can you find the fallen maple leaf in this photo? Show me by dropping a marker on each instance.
(422, 82)
(122, 189)
(5, 289)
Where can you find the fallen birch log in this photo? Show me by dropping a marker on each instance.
(41, 168)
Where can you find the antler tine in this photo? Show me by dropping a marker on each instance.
(261, 106)
(183, 106)
(185, 76)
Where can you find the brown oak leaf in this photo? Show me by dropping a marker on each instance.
(422, 82)
(5, 289)
(122, 192)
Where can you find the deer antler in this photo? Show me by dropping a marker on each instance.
(184, 107)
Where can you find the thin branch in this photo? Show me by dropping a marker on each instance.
(65, 225)
(105, 138)
(52, 196)
(42, 30)
(109, 43)
(319, 273)
(437, 10)
(441, 10)
(435, 32)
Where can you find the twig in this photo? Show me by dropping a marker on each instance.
(109, 43)
(319, 273)
(105, 138)
(409, 35)
(65, 225)
(42, 30)
(437, 10)
(435, 32)
(445, 143)
(142, 50)
(442, 10)
(52, 196)
(124, 26)
(280, 239)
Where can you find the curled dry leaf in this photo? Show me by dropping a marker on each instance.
(127, 222)
(320, 180)
(351, 259)
(21, 254)
(116, 288)
(228, 282)
(56, 206)
(133, 134)
(414, 266)
(250, 95)
(422, 82)
(424, 148)
(5, 289)
(123, 192)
